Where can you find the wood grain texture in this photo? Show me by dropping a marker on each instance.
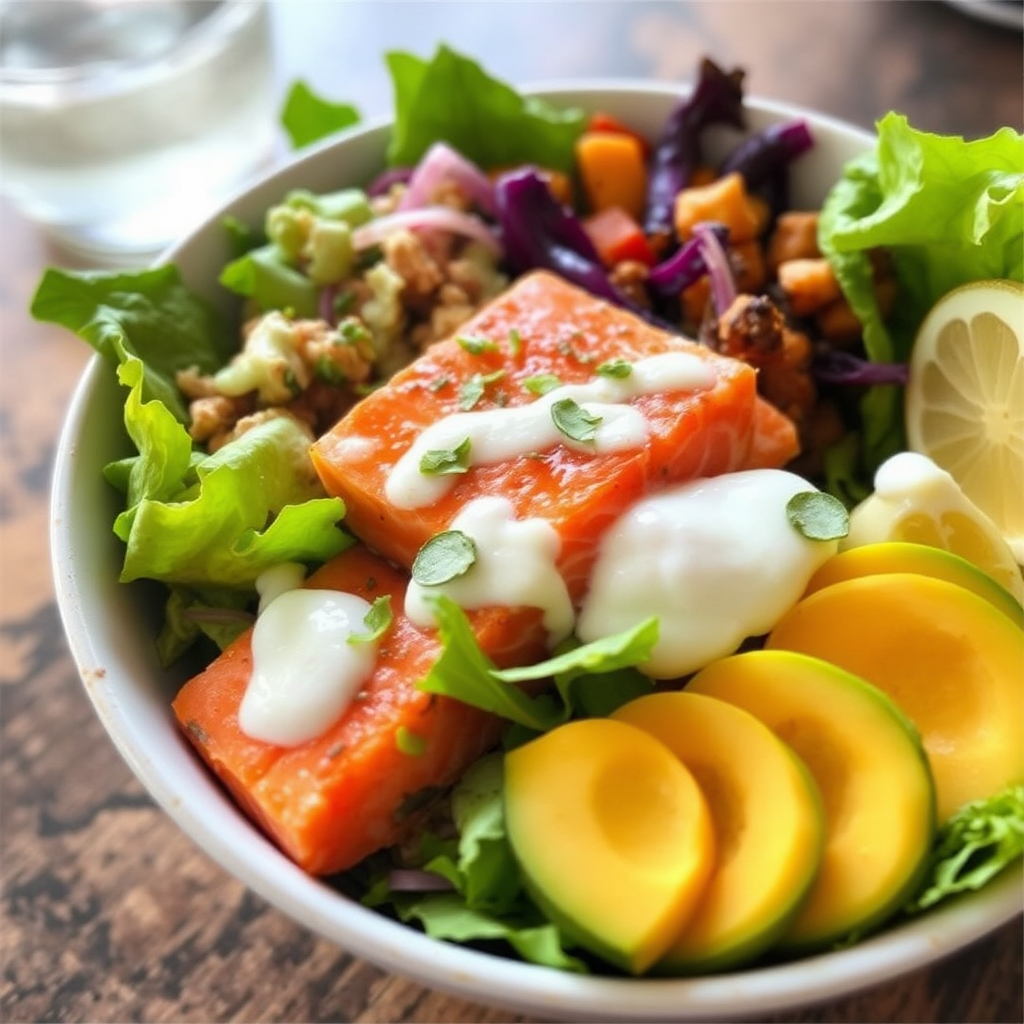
(109, 912)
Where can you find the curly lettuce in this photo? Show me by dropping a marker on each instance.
(949, 211)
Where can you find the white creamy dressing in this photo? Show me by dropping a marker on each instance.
(496, 435)
(305, 672)
(277, 580)
(716, 560)
(515, 567)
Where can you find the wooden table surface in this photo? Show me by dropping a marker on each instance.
(109, 912)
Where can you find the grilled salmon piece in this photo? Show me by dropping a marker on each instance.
(543, 328)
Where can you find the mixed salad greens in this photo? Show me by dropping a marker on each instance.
(207, 520)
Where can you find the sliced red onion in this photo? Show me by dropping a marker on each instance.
(428, 218)
(381, 185)
(837, 367)
(442, 163)
(326, 304)
(417, 880)
(723, 287)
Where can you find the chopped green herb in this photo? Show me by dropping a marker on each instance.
(329, 372)
(352, 331)
(473, 389)
(343, 302)
(515, 342)
(541, 383)
(574, 421)
(438, 382)
(409, 743)
(377, 621)
(475, 345)
(445, 557)
(615, 368)
(443, 461)
(818, 516)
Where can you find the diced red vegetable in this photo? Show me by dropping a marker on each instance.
(617, 236)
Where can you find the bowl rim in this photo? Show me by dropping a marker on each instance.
(244, 853)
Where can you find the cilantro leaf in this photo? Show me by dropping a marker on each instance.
(444, 461)
(818, 516)
(574, 421)
(445, 557)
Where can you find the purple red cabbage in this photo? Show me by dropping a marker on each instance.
(684, 267)
(716, 99)
(540, 233)
(760, 157)
(763, 160)
(838, 367)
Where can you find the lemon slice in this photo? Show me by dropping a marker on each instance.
(965, 398)
(917, 501)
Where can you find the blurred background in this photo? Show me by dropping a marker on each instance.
(108, 911)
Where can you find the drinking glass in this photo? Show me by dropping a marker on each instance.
(124, 121)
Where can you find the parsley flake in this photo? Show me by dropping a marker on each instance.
(409, 743)
(476, 345)
(377, 621)
(541, 383)
(515, 342)
(818, 516)
(615, 368)
(473, 389)
(574, 421)
(445, 461)
(443, 558)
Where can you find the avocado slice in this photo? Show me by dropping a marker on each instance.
(871, 771)
(769, 826)
(613, 837)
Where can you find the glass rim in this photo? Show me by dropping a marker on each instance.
(101, 77)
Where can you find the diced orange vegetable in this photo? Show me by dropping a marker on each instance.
(809, 284)
(617, 236)
(725, 200)
(564, 331)
(695, 299)
(602, 122)
(747, 260)
(795, 237)
(336, 799)
(613, 171)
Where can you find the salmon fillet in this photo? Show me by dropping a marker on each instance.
(332, 801)
(542, 325)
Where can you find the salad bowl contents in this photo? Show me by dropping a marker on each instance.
(517, 572)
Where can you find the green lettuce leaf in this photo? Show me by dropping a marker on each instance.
(307, 117)
(452, 99)
(949, 211)
(148, 313)
(218, 614)
(266, 275)
(229, 516)
(464, 672)
(488, 901)
(445, 916)
(488, 869)
(979, 842)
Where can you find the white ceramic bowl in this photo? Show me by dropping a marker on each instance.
(111, 628)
